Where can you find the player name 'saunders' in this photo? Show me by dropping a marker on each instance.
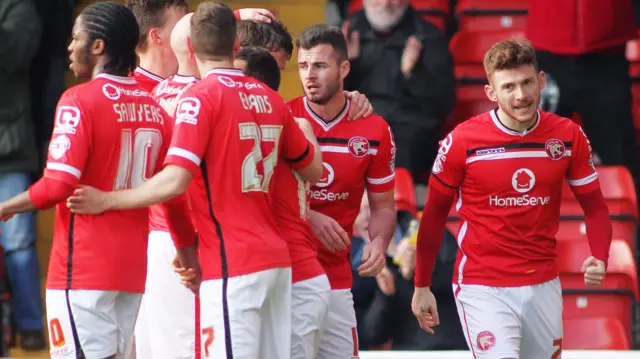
(133, 112)
(256, 103)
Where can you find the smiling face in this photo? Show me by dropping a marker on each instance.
(321, 72)
(517, 91)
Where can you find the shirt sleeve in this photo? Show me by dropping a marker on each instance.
(381, 172)
(70, 142)
(582, 175)
(296, 150)
(450, 163)
(191, 133)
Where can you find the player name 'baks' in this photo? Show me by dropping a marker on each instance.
(132, 112)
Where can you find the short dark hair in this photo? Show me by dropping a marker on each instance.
(213, 30)
(261, 65)
(151, 14)
(114, 24)
(272, 36)
(324, 34)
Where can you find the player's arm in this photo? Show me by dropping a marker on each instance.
(299, 149)
(583, 180)
(447, 175)
(66, 158)
(380, 183)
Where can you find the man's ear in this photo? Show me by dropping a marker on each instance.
(97, 47)
(192, 53)
(154, 36)
(491, 94)
(345, 67)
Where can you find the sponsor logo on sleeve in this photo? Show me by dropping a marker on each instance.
(188, 111)
(67, 119)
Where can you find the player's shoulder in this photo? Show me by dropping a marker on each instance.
(375, 121)
(553, 122)
(474, 126)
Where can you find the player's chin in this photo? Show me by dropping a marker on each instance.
(523, 113)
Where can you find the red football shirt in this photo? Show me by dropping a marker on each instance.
(109, 134)
(167, 94)
(509, 186)
(356, 154)
(233, 129)
(290, 207)
(147, 80)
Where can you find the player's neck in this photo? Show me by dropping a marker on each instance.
(99, 69)
(154, 63)
(332, 108)
(512, 124)
(188, 71)
(207, 66)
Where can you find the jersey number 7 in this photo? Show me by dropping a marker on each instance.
(252, 179)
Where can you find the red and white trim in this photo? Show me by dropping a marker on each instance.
(508, 131)
(176, 151)
(326, 126)
(515, 154)
(583, 181)
(148, 74)
(119, 79)
(384, 180)
(226, 72)
(62, 167)
(184, 79)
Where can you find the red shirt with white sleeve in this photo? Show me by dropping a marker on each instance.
(355, 154)
(109, 134)
(167, 94)
(233, 129)
(509, 194)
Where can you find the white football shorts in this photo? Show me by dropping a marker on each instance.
(309, 308)
(512, 322)
(340, 336)
(94, 322)
(247, 316)
(166, 322)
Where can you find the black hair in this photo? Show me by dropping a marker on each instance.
(324, 34)
(261, 66)
(114, 24)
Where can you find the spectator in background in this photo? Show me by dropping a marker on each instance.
(19, 39)
(580, 44)
(49, 68)
(413, 87)
(386, 314)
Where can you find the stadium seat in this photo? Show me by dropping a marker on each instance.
(594, 334)
(470, 101)
(468, 49)
(405, 191)
(491, 15)
(434, 11)
(618, 190)
(576, 230)
(617, 295)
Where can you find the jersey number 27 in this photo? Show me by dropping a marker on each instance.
(252, 179)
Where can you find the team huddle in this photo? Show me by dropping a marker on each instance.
(199, 215)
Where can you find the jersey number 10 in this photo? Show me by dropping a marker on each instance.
(252, 180)
(138, 157)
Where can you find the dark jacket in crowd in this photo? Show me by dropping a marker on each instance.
(19, 39)
(425, 98)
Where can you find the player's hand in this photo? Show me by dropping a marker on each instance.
(425, 309)
(373, 259)
(88, 200)
(3, 215)
(259, 15)
(360, 105)
(410, 55)
(353, 41)
(328, 232)
(187, 267)
(594, 271)
(386, 282)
